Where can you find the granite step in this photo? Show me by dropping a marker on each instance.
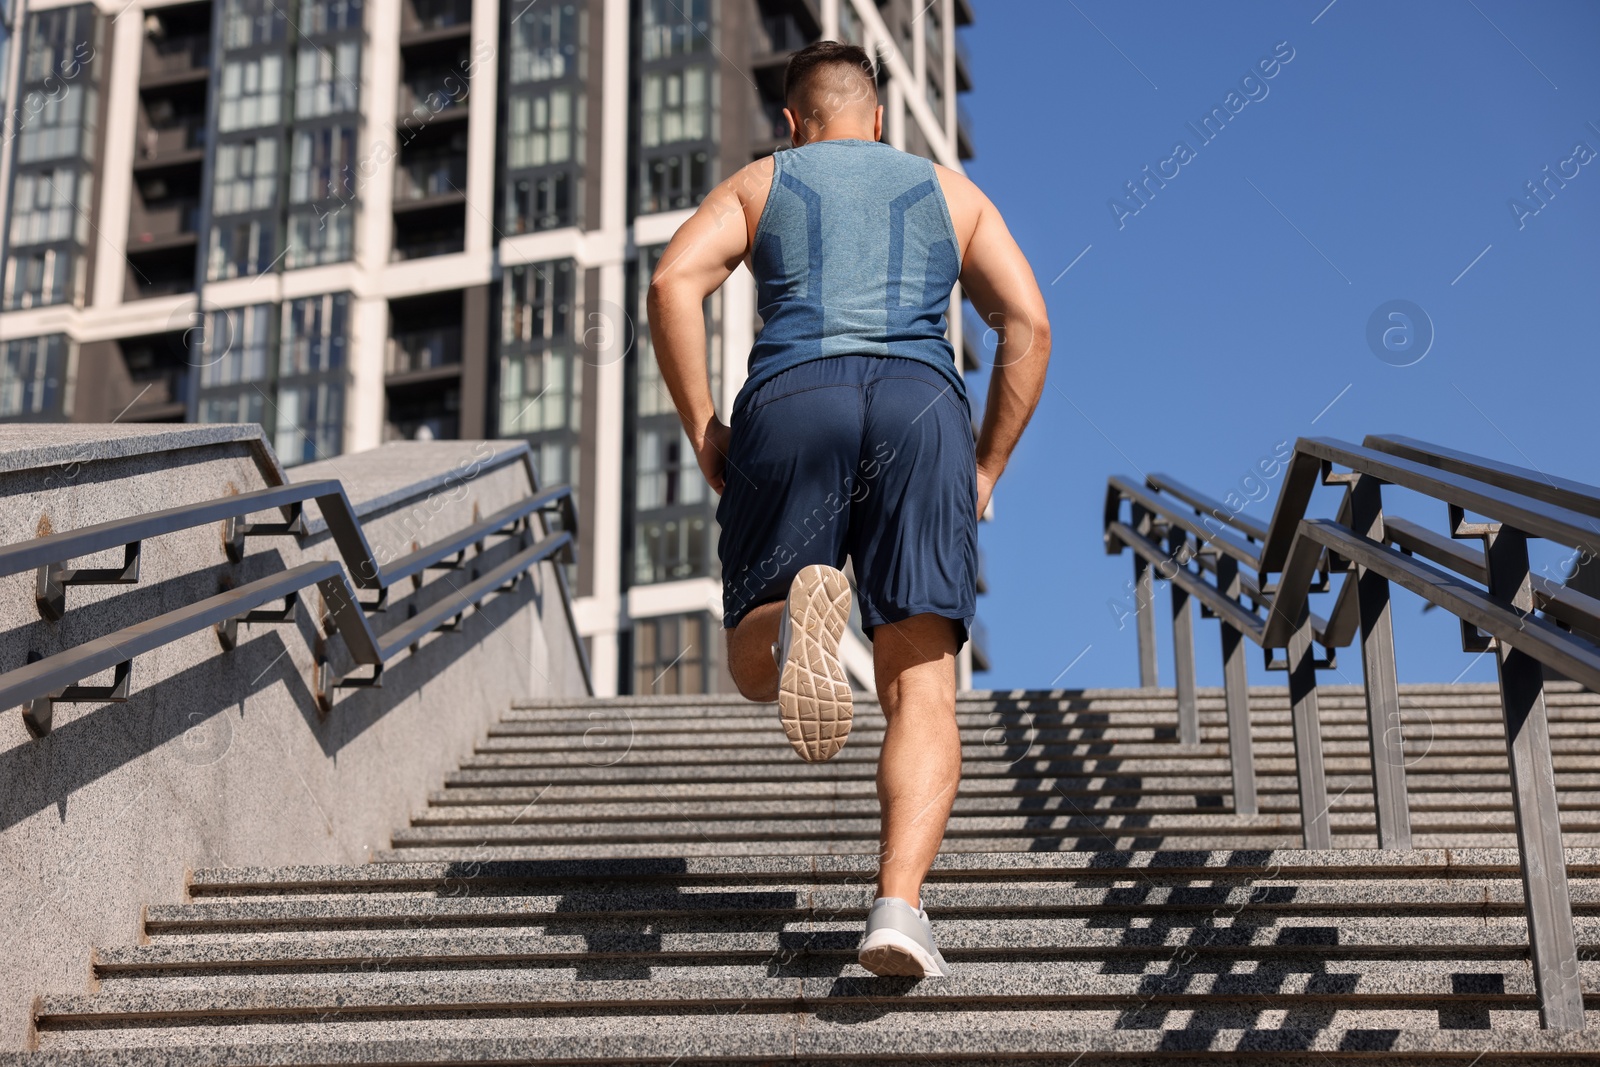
(1575, 806)
(1091, 841)
(1282, 1038)
(462, 1001)
(798, 902)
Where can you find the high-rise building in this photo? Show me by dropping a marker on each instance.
(355, 221)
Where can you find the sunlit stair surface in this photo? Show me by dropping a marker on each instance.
(654, 880)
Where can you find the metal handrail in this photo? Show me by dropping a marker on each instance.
(45, 681)
(1530, 622)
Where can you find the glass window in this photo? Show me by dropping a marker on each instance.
(310, 421)
(539, 392)
(675, 179)
(42, 205)
(52, 124)
(323, 165)
(537, 304)
(541, 202)
(676, 105)
(235, 347)
(241, 249)
(936, 101)
(252, 22)
(327, 79)
(240, 405)
(541, 372)
(317, 237)
(252, 93)
(546, 42)
(541, 129)
(246, 176)
(34, 377)
(674, 511)
(35, 279)
(329, 16)
(672, 654)
(675, 28)
(59, 43)
(314, 335)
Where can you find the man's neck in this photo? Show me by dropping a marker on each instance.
(844, 135)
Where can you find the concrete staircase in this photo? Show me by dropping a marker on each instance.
(661, 881)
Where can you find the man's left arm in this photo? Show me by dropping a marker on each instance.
(700, 257)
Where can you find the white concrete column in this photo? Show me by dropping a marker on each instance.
(609, 152)
(379, 146)
(738, 334)
(830, 19)
(121, 93)
(482, 125)
(365, 403)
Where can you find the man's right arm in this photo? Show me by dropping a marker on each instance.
(997, 279)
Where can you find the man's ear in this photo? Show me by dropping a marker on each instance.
(877, 124)
(794, 128)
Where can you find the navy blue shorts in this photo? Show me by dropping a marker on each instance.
(870, 457)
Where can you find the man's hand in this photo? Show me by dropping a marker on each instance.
(711, 449)
(985, 489)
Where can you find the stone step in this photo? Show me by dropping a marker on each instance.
(1092, 841)
(793, 902)
(506, 828)
(1304, 864)
(343, 964)
(1338, 758)
(1581, 807)
(1204, 794)
(1480, 693)
(795, 774)
(767, 733)
(1283, 1038)
(547, 1004)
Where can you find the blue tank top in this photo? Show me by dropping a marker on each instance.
(855, 253)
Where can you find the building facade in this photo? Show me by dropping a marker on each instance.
(355, 221)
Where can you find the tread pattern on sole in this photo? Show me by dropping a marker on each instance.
(814, 700)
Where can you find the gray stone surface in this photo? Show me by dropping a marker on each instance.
(217, 757)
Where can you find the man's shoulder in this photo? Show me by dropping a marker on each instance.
(753, 180)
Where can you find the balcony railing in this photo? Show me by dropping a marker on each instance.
(166, 219)
(158, 143)
(425, 98)
(418, 350)
(431, 176)
(419, 16)
(167, 56)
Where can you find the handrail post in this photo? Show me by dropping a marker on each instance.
(1183, 644)
(1384, 727)
(1307, 728)
(1551, 937)
(1235, 686)
(1144, 600)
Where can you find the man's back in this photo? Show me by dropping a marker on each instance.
(854, 252)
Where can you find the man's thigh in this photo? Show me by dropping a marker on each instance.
(791, 475)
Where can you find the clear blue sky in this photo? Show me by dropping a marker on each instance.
(1231, 311)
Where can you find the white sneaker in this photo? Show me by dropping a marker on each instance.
(899, 942)
(814, 702)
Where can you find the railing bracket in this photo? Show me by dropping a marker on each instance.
(236, 529)
(50, 591)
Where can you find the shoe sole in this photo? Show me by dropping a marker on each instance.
(814, 702)
(889, 955)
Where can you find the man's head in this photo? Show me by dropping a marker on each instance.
(830, 91)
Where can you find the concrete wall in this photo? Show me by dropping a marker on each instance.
(223, 758)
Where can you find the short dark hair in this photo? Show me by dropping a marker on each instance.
(819, 54)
